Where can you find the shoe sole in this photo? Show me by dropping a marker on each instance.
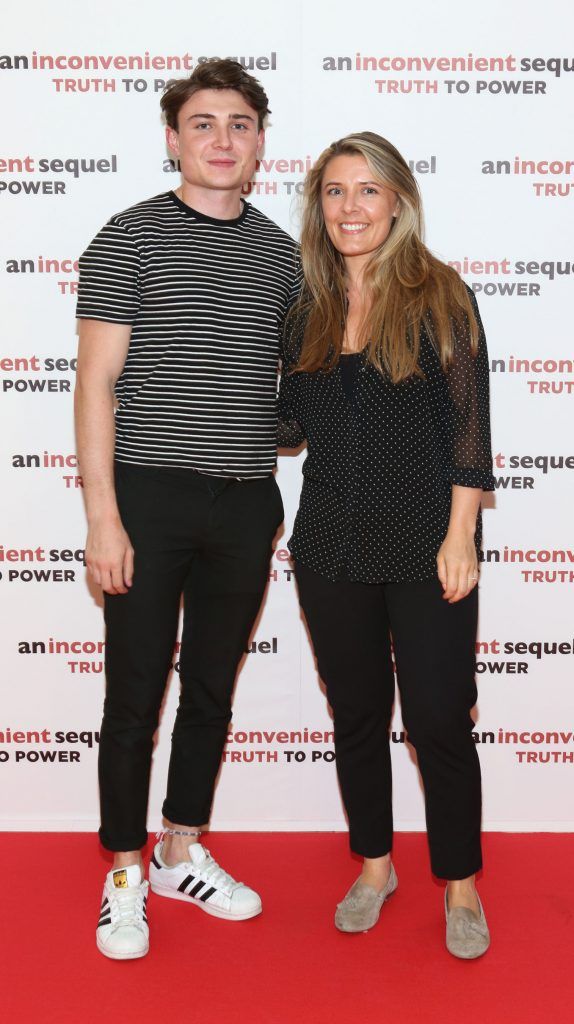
(173, 894)
(121, 956)
(462, 955)
(468, 956)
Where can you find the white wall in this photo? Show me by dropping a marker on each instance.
(511, 227)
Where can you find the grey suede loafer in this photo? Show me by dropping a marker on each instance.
(361, 907)
(467, 934)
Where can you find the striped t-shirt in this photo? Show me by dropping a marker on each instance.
(206, 299)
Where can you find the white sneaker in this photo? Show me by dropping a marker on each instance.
(122, 932)
(200, 880)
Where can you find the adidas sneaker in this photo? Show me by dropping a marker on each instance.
(122, 932)
(200, 880)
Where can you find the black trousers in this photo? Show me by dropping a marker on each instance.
(208, 539)
(351, 625)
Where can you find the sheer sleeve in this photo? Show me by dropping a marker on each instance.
(290, 433)
(468, 386)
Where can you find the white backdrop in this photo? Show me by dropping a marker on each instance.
(480, 99)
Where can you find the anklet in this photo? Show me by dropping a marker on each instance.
(176, 832)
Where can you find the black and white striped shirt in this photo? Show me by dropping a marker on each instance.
(206, 299)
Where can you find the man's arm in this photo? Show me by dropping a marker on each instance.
(101, 356)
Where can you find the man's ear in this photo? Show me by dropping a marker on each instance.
(260, 142)
(172, 139)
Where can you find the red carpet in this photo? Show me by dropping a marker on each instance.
(290, 964)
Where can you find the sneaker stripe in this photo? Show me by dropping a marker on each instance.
(185, 883)
(207, 894)
(196, 889)
(155, 861)
(106, 920)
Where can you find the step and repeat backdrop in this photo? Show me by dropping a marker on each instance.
(480, 102)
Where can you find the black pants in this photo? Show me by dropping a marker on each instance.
(433, 641)
(210, 540)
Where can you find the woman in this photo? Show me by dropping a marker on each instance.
(385, 376)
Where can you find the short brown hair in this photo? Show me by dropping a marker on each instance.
(214, 74)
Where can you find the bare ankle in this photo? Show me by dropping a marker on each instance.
(376, 871)
(176, 841)
(462, 893)
(175, 852)
(462, 885)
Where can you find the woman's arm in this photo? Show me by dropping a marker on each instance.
(290, 434)
(471, 470)
(468, 386)
(457, 563)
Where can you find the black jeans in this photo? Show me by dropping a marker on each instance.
(433, 641)
(210, 540)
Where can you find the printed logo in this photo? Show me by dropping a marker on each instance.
(557, 372)
(50, 461)
(82, 661)
(539, 465)
(268, 171)
(507, 277)
(39, 372)
(106, 63)
(494, 655)
(541, 168)
(303, 744)
(16, 558)
(397, 70)
(284, 572)
(42, 743)
(40, 265)
(534, 556)
(49, 186)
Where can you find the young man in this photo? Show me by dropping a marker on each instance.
(181, 303)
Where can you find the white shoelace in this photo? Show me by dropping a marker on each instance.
(127, 908)
(215, 875)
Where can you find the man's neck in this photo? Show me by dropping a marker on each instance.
(223, 204)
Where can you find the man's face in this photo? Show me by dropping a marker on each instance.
(218, 141)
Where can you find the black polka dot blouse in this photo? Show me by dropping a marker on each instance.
(382, 459)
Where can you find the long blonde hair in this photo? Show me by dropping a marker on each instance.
(407, 287)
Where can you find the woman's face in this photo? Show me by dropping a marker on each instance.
(358, 210)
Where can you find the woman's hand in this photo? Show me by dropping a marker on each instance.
(457, 565)
(456, 561)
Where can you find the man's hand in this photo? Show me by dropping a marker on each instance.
(110, 556)
(457, 565)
